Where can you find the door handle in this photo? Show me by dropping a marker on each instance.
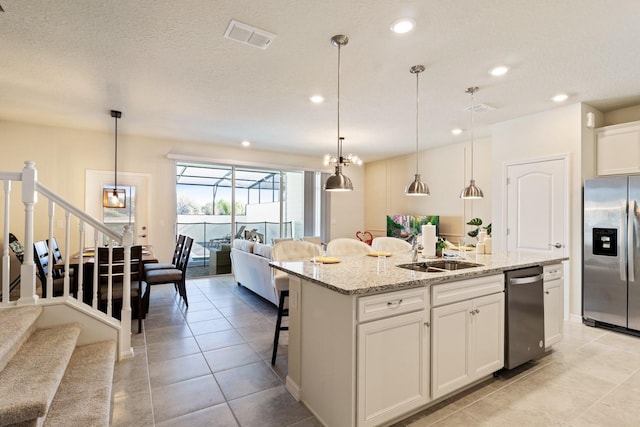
(556, 245)
(631, 215)
(525, 280)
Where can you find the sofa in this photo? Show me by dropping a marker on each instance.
(250, 262)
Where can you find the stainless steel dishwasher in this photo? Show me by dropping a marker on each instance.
(524, 317)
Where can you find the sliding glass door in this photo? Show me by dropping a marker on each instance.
(219, 203)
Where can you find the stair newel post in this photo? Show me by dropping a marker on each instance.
(28, 268)
(5, 248)
(125, 316)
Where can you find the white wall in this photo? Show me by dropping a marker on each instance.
(63, 155)
(446, 171)
(623, 115)
(555, 132)
(347, 208)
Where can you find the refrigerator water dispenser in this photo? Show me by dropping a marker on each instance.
(605, 241)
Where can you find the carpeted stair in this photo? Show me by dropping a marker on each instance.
(45, 379)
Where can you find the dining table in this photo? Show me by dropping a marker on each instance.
(87, 259)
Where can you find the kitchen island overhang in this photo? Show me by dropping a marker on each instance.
(358, 275)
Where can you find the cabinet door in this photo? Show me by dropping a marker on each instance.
(451, 337)
(393, 367)
(487, 335)
(552, 312)
(618, 149)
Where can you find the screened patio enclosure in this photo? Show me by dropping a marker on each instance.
(218, 203)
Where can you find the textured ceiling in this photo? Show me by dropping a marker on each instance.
(166, 65)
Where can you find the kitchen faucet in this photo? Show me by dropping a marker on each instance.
(415, 247)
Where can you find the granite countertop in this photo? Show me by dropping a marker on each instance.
(361, 275)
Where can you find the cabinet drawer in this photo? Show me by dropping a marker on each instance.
(392, 303)
(448, 293)
(552, 272)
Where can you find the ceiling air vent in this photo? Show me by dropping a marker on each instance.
(480, 108)
(247, 34)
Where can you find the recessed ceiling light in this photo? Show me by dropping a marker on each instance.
(561, 97)
(500, 70)
(404, 25)
(456, 131)
(246, 143)
(316, 99)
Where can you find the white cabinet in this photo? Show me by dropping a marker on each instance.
(393, 355)
(467, 332)
(618, 149)
(553, 304)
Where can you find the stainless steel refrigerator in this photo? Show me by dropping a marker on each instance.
(611, 270)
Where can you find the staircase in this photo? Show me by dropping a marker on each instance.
(45, 379)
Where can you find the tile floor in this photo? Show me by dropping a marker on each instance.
(210, 366)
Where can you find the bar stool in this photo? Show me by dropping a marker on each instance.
(281, 312)
(288, 250)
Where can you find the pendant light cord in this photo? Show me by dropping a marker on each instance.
(417, 107)
(472, 90)
(339, 142)
(115, 170)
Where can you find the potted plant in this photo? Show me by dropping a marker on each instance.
(477, 223)
(441, 244)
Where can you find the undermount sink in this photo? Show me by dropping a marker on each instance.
(439, 266)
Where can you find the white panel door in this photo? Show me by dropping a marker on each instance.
(537, 206)
(95, 180)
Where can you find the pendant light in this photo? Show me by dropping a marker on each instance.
(115, 198)
(417, 187)
(338, 181)
(472, 191)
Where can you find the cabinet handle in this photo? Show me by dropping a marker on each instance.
(474, 312)
(394, 303)
(427, 324)
(477, 311)
(546, 292)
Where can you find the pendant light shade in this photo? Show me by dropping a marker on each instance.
(339, 182)
(472, 191)
(115, 198)
(417, 187)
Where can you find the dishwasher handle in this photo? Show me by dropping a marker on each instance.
(525, 280)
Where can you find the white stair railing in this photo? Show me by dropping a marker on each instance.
(31, 188)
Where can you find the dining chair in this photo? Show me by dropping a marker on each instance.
(177, 275)
(44, 262)
(287, 250)
(390, 244)
(115, 267)
(347, 247)
(174, 261)
(18, 251)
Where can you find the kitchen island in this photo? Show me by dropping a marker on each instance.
(371, 343)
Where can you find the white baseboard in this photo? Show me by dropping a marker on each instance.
(575, 318)
(293, 389)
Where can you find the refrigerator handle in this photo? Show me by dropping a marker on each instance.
(631, 215)
(623, 223)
